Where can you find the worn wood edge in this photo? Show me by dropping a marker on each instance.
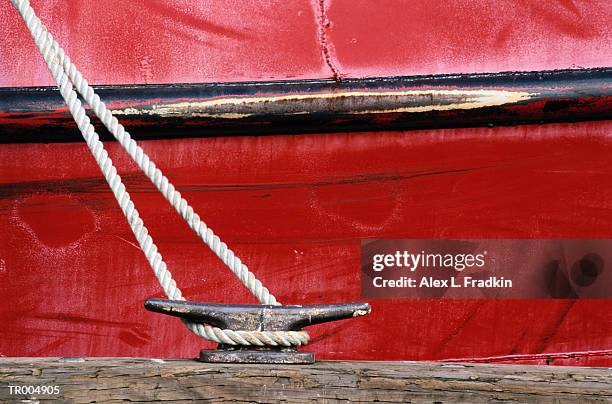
(146, 380)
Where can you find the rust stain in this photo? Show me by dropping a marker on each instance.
(348, 102)
(324, 24)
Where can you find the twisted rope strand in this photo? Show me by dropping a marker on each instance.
(65, 75)
(161, 182)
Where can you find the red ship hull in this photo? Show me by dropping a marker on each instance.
(295, 207)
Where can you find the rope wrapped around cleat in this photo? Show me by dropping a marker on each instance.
(68, 77)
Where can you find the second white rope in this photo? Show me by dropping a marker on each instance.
(66, 75)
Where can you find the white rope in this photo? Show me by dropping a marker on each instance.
(66, 76)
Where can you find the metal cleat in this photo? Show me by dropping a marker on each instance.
(253, 317)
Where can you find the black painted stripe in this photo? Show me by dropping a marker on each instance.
(290, 107)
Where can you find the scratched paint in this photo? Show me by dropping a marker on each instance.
(307, 106)
(458, 36)
(326, 52)
(43, 216)
(201, 41)
(351, 102)
(178, 41)
(318, 195)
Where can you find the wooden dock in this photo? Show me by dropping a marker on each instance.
(84, 380)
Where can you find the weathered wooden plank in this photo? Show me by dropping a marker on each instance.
(133, 379)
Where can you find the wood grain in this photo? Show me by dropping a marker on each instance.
(178, 380)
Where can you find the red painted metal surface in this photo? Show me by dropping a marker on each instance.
(72, 281)
(295, 208)
(196, 41)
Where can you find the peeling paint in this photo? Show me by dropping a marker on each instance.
(302, 106)
(349, 102)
